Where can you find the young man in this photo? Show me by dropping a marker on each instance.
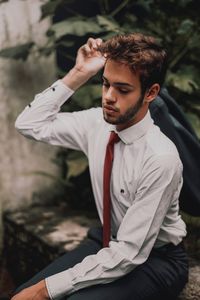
(136, 176)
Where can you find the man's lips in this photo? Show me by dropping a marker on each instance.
(110, 108)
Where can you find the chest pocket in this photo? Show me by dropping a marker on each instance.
(123, 198)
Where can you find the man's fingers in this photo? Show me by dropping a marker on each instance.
(86, 49)
(99, 41)
(90, 46)
(94, 43)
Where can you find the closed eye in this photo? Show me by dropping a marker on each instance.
(119, 89)
(106, 84)
(122, 91)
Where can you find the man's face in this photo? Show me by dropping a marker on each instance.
(122, 101)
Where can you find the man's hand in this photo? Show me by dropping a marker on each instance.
(37, 291)
(88, 62)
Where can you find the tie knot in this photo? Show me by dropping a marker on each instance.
(114, 138)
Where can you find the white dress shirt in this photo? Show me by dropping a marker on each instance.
(145, 185)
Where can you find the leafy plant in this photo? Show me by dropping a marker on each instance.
(18, 52)
(176, 25)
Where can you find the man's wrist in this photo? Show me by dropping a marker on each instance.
(76, 78)
(43, 289)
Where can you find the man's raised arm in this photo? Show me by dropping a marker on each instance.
(41, 120)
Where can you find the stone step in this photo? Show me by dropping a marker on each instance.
(37, 235)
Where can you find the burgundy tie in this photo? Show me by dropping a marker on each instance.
(106, 188)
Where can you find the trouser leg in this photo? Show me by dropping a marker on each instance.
(161, 277)
(90, 246)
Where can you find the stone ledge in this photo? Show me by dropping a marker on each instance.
(36, 236)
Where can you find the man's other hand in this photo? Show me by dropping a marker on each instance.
(37, 291)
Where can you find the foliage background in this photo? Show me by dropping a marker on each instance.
(176, 25)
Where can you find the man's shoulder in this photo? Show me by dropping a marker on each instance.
(161, 155)
(159, 144)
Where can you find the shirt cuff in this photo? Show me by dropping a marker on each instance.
(57, 94)
(60, 91)
(63, 85)
(59, 285)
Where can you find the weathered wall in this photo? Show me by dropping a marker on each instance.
(19, 23)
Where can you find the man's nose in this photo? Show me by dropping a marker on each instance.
(110, 95)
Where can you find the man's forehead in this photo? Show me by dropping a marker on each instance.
(119, 72)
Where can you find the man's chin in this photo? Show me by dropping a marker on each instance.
(110, 120)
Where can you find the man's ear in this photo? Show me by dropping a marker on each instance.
(152, 93)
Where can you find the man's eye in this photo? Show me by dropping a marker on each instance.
(105, 84)
(123, 91)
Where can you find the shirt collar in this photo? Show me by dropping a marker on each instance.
(136, 131)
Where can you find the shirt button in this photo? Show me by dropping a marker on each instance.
(29, 105)
(53, 89)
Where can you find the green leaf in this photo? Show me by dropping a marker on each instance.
(185, 27)
(74, 26)
(66, 43)
(87, 95)
(50, 7)
(194, 41)
(130, 19)
(184, 79)
(17, 52)
(108, 23)
(195, 121)
(74, 154)
(146, 5)
(76, 166)
(46, 51)
(184, 3)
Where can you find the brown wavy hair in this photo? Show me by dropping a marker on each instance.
(141, 53)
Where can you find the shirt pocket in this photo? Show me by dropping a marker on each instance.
(124, 198)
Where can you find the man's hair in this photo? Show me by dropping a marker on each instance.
(141, 53)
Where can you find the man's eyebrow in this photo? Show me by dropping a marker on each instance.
(124, 84)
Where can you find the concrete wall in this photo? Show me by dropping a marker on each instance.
(19, 81)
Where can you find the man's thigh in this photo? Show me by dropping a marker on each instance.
(133, 286)
(161, 277)
(68, 260)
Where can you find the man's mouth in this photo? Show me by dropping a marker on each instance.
(110, 109)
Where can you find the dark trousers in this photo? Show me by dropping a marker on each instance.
(161, 277)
